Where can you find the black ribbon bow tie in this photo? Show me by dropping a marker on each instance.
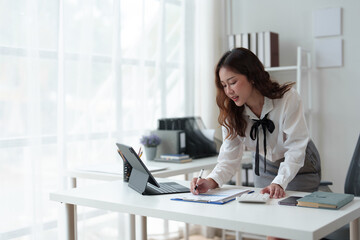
(254, 134)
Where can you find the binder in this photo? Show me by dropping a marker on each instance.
(253, 42)
(271, 47)
(172, 142)
(231, 41)
(197, 144)
(260, 47)
(245, 40)
(238, 40)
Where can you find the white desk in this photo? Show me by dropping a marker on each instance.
(270, 219)
(171, 169)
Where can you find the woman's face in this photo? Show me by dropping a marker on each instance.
(236, 86)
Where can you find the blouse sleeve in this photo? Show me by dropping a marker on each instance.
(229, 159)
(296, 138)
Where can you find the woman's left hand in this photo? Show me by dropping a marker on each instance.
(275, 191)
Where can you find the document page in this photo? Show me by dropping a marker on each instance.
(218, 195)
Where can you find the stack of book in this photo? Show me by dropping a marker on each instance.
(265, 45)
(175, 158)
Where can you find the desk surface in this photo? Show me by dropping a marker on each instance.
(171, 169)
(267, 219)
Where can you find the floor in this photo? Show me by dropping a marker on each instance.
(200, 237)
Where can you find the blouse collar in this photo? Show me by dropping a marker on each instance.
(267, 107)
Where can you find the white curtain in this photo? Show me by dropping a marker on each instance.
(210, 32)
(75, 78)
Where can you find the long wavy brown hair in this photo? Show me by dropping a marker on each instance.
(243, 61)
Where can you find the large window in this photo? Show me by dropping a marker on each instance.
(76, 77)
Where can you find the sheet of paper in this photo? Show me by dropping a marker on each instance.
(209, 133)
(214, 195)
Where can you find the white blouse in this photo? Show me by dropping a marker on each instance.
(289, 140)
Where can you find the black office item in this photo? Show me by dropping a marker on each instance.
(142, 181)
(126, 168)
(197, 145)
(289, 201)
(352, 186)
(172, 142)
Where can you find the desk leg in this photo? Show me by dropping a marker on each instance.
(132, 234)
(166, 228)
(188, 177)
(238, 179)
(72, 182)
(71, 214)
(70, 222)
(354, 229)
(187, 231)
(238, 235)
(143, 228)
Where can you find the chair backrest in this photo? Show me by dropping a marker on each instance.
(352, 182)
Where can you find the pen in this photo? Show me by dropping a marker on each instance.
(121, 155)
(200, 175)
(250, 192)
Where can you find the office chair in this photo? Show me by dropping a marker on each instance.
(352, 186)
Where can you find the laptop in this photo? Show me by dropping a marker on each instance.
(141, 179)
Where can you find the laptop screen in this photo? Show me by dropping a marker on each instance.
(136, 163)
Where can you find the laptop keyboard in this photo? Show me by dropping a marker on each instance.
(164, 188)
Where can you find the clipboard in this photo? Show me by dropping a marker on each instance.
(213, 196)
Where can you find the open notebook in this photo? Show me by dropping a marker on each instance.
(214, 196)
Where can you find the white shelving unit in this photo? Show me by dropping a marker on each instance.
(299, 67)
(303, 64)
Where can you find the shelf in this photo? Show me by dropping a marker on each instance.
(287, 68)
(303, 63)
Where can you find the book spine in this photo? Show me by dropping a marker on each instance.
(345, 201)
(253, 42)
(245, 40)
(271, 47)
(174, 157)
(274, 49)
(238, 40)
(267, 50)
(260, 47)
(231, 41)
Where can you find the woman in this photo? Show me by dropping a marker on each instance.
(266, 118)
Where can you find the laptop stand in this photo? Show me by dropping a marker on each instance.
(138, 181)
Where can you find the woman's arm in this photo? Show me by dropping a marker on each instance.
(296, 138)
(203, 185)
(229, 159)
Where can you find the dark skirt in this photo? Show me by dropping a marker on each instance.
(307, 179)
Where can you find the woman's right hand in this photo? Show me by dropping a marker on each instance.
(203, 185)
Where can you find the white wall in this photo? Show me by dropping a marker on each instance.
(336, 91)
